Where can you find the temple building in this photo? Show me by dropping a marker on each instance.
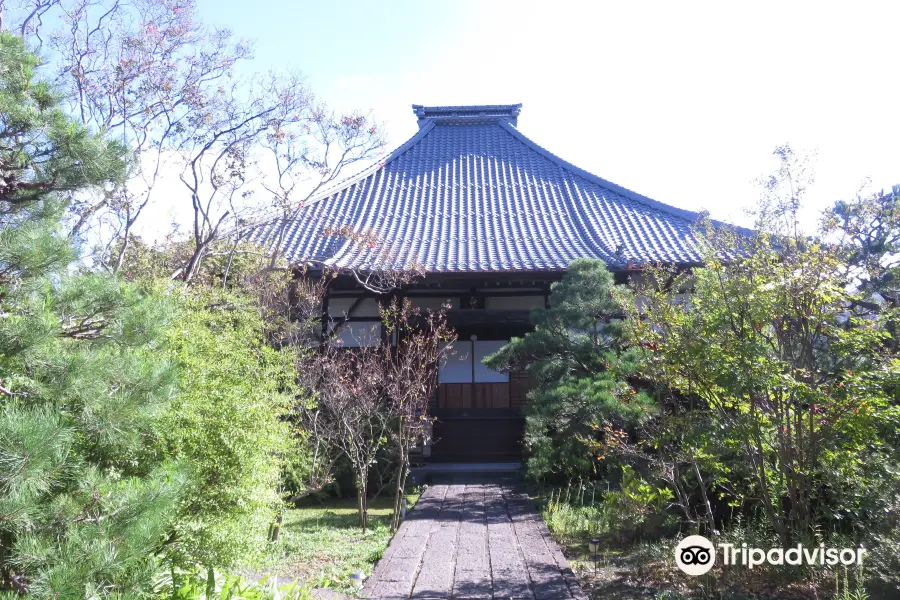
(492, 219)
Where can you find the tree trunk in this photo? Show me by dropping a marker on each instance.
(275, 529)
(711, 521)
(402, 471)
(757, 457)
(362, 498)
(193, 263)
(210, 582)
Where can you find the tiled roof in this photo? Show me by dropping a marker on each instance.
(470, 193)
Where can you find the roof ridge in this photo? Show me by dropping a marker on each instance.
(468, 114)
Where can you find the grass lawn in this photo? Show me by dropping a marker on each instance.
(321, 543)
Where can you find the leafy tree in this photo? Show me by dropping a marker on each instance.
(227, 425)
(169, 86)
(579, 364)
(233, 284)
(867, 231)
(43, 153)
(83, 505)
(772, 346)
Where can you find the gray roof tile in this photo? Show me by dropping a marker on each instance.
(470, 193)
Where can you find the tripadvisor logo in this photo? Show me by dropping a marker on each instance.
(696, 555)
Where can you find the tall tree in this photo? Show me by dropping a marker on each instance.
(138, 69)
(153, 75)
(83, 504)
(866, 230)
(44, 155)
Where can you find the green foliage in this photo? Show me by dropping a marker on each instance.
(232, 587)
(845, 592)
(797, 382)
(579, 364)
(575, 522)
(226, 425)
(43, 151)
(793, 373)
(228, 266)
(867, 232)
(633, 509)
(83, 505)
(774, 369)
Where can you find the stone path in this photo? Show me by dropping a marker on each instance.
(473, 540)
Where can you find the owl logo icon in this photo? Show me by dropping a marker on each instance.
(695, 555)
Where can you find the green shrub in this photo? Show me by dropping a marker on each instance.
(190, 586)
(635, 509)
(226, 424)
(580, 367)
(83, 505)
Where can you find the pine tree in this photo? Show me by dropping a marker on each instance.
(579, 364)
(83, 502)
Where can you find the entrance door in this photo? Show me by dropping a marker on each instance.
(478, 435)
(478, 412)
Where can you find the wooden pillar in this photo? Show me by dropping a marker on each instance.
(473, 401)
(323, 335)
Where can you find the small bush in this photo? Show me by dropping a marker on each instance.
(634, 510)
(192, 586)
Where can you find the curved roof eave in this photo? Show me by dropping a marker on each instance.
(656, 232)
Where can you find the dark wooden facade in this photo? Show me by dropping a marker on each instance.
(479, 421)
(475, 421)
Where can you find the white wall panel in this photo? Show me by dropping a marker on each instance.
(456, 366)
(456, 363)
(355, 335)
(482, 373)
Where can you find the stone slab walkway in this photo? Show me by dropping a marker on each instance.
(474, 541)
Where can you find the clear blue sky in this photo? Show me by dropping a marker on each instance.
(681, 104)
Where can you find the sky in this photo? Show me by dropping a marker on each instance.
(682, 102)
